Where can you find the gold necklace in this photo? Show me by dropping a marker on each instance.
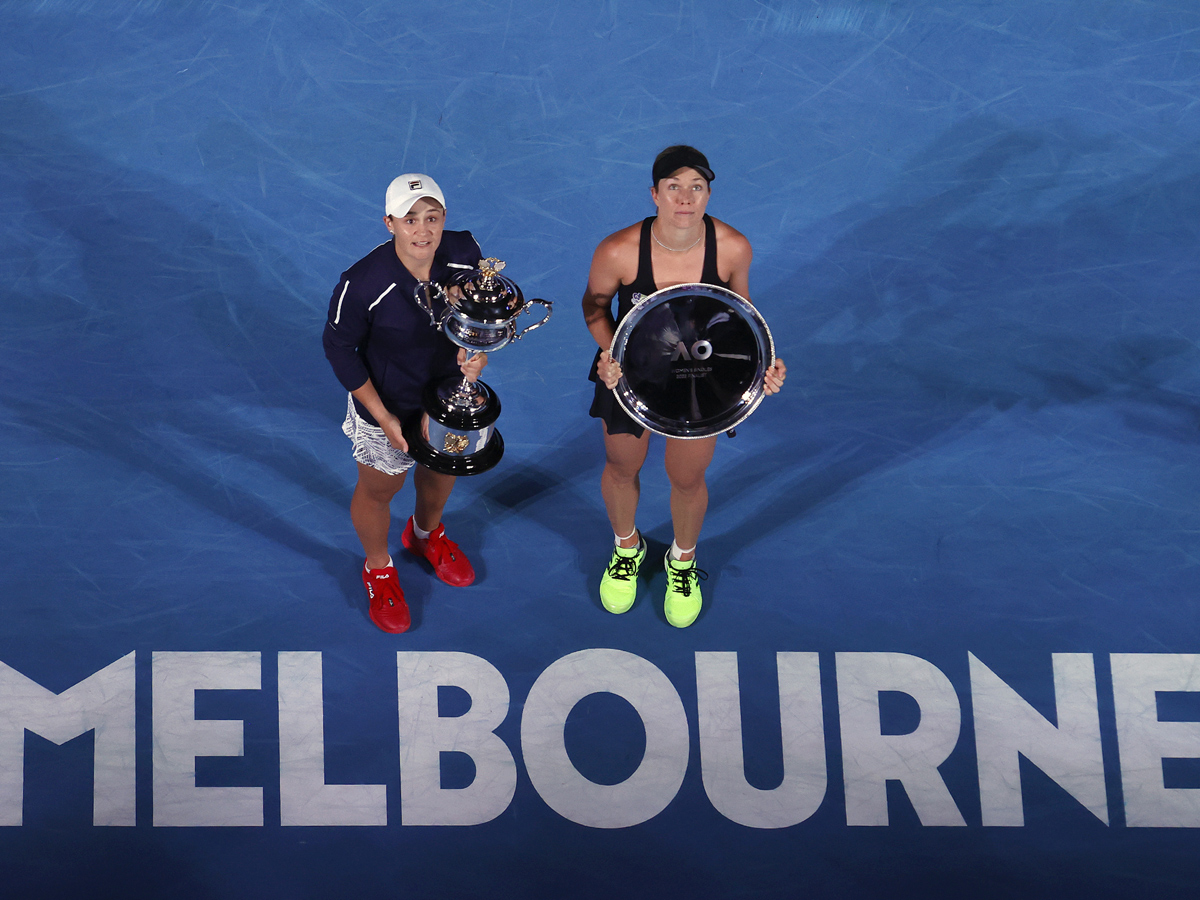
(676, 249)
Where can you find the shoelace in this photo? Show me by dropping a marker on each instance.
(387, 598)
(372, 596)
(623, 567)
(684, 579)
(443, 547)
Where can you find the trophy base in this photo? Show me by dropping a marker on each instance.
(452, 439)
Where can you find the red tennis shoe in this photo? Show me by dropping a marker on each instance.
(449, 562)
(388, 609)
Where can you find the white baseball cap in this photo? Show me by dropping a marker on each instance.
(406, 190)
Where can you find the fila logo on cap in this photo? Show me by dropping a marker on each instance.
(414, 185)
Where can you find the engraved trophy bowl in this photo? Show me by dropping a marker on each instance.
(692, 358)
(454, 433)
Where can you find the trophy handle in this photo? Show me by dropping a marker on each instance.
(549, 306)
(428, 293)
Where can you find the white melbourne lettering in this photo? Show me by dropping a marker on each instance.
(103, 703)
(179, 737)
(425, 735)
(718, 698)
(870, 758)
(654, 784)
(1006, 728)
(304, 797)
(1144, 741)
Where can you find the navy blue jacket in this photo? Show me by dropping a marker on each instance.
(377, 331)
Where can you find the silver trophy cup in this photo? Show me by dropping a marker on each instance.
(454, 433)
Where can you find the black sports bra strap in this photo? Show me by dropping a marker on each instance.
(645, 272)
(709, 274)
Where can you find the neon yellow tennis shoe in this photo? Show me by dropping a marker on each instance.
(618, 584)
(683, 601)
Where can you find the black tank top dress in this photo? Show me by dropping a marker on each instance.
(604, 402)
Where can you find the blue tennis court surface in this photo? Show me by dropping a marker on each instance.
(951, 637)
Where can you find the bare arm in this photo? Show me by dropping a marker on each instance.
(734, 256)
(604, 280)
(609, 270)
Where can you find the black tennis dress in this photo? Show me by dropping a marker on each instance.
(604, 402)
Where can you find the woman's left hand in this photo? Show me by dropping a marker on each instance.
(473, 366)
(773, 380)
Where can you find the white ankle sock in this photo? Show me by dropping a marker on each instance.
(618, 538)
(677, 552)
(421, 534)
(388, 566)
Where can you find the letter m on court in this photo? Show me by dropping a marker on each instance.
(103, 703)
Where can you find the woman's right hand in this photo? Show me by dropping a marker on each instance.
(395, 434)
(608, 370)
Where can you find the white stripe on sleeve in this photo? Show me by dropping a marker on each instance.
(381, 296)
(337, 317)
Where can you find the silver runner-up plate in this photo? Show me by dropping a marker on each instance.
(693, 359)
